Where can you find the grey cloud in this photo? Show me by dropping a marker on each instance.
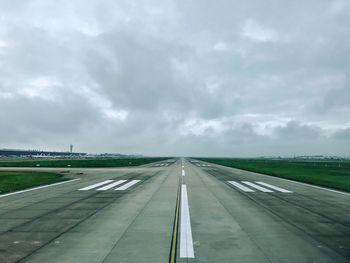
(343, 134)
(338, 97)
(295, 131)
(226, 78)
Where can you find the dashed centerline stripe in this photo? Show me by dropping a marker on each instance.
(126, 186)
(95, 185)
(274, 187)
(186, 241)
(240, 186)
(262, 189)
(104, 188)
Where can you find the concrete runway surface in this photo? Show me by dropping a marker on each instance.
(189, 211)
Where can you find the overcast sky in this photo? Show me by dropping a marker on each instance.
(198, 77)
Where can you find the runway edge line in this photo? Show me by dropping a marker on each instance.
(40, 187)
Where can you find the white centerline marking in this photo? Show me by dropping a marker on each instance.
(126, 186)
(186, 242)
(95, 185)
(109, 186)
(183, 173)
(262, 189)
(40, 187)
(240, 186)
(274, 187)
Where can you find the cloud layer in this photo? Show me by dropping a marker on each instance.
(230, 78)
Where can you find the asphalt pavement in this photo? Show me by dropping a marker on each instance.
(187, 211)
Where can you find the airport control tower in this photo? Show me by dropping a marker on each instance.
(71, 148)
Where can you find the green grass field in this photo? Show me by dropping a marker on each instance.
(14, 180)
(333, 174)
(85, 163)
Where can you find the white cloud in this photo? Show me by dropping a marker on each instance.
(338, 6)
(93, 95)
(116, 114)
(256, 32)
(197, 127)
(6, 95)
(44, 88)
(220, 46)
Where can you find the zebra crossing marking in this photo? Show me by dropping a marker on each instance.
(111, 184)
(241, 186)
(128, 185)
(247, 186)
(274, 187)
(95, 185)
(260, 188)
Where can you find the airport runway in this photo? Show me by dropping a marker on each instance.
(188, 211)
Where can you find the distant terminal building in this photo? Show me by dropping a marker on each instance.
(36, 153)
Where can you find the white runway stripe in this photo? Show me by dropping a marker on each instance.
(126, 186)
(109, 186)
(262, 189)
(241, 187)
(39, 187)
(274, 187)
(183, 173)
(186, 242)
(95, 185)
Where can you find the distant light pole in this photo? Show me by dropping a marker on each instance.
(71, 148)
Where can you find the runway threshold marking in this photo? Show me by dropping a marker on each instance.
(186, 241)
(203, 165)
(128, 185)
(109, 186)
(95, 185)
(260, 188)
(274, 187)
(268, 188)
(240, 186)
(39, 187)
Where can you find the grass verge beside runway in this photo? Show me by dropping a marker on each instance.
(331, 174)
(11, 181)
(81, 163)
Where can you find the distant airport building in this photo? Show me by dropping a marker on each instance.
(37, 153)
